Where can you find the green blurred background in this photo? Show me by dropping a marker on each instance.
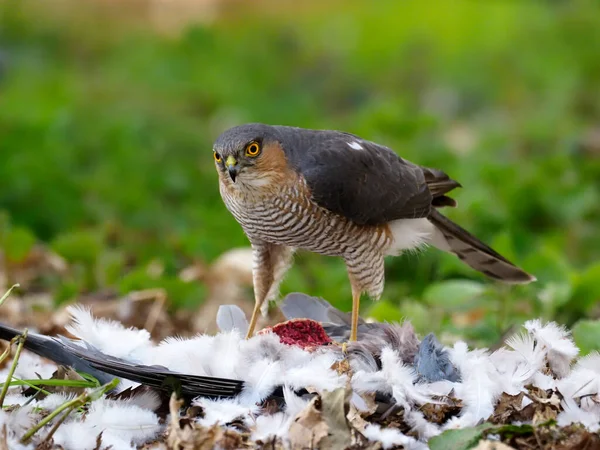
(108, 111)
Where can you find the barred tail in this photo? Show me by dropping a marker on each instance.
(452, 238)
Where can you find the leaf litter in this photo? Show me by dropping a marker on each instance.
(539, 398)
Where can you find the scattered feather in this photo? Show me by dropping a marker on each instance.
(123, 420)
(392, 438)
(223, 411)
(432, 361)
(108, 336)
(478, 388)
(392, 370)
(560, 346)
(231, 317)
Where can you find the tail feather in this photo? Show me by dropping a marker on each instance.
(475, 253)
(104, 367)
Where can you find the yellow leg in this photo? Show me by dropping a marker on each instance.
(355, 311)
(253, 320)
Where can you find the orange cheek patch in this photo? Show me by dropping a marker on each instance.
(273, 160)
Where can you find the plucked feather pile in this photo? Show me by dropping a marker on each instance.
(389, 390)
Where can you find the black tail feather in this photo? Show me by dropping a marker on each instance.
(103, 367)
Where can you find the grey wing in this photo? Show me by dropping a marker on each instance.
(364, 181)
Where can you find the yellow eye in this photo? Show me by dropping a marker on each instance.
(252, 149)
(217, 157)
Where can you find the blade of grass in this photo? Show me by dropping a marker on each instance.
(69, 406)
(58, 423)
(20, 343)
(2, 300)
(51, 382)
(31, 385)
(5, 296)
(8, 349)
(90, 378)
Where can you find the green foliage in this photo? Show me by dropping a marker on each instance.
(17, 243)
(587, 335)
(467, 438)
(106, 132)
(453, 294)
(463, 439)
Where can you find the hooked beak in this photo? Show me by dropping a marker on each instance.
(232, 167)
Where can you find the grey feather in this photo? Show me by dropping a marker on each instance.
(432, 361)
(301, 306)
(54, 350)
(400, 337)
(297, 305)
(85, 358)
(232, 317)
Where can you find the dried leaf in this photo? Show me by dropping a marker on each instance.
(439, 413)
(507, 408)
(189, 436)
(308, 428)
(4, 438)
(342, 367)
(336, 405)
(356, 420)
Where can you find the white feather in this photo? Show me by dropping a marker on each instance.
(572, 413)
(146, 400)
(29, 367)
(478, 387)
(355, 145)
(108, 336)
(392, 438)
(560, 346)
(409, 234)
(123, 420)
(261, 380)
(227, 347)
(268, 427)
(223, 411)
(519, 366)
(543, 381)
(14, 398)
(420, 425)
(581, 382)
(395, 378)
(19, 420)
(53, 401)
(293, 403)
(590, 362)
(315, 372)
(192, 356)
(277, 425)
(76, 435)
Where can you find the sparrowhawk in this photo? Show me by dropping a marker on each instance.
(337, 194)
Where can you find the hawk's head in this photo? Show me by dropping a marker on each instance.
(249, 155)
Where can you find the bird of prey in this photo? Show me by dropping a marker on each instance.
(337, 194)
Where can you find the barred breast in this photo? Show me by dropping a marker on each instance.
(290, 217)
